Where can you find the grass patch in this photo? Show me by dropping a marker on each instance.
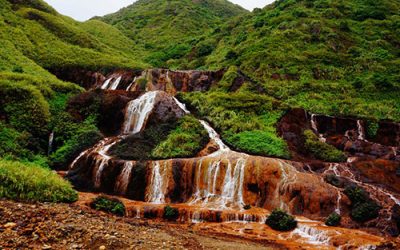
(186, 140)
(322, 150)
(28, 182)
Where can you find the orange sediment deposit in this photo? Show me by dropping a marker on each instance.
(250, 225)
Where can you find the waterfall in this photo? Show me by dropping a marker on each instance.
(105, 84)
(155, 193)
(137, 112)
(98, 170)
(337, 210)
(122, 182)
(130, 85)
(232, 191)
(313, 235)
(115, 84)
(314, 126)
(51, 139)
(360, 131)
(214, 136)
(230, 194)
(181, 105)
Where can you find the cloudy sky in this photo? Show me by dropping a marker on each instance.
(85, 9)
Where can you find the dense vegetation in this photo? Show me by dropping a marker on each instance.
(363, 207)
(321, 150)
(325, 56)
(179, 139)
(165, 30)
(29, 182)
(281, 221)
(245, 120)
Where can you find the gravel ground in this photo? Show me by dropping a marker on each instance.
(63, 226)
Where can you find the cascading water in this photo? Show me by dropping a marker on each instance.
(312, 235)
(106, 83)
(314, 126)
(130, 85)
(155, 193)
(115, 84)
(98, 170)
(360, 131)
(137, 113)
(122, 182)
(215, 136)
(51, 139)
(232, 189)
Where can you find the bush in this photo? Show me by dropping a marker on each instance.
(281, 221)
(363, 208)
(366, 211)
(29, 182)
(186, 140)
(321, 150)
(108, 205)
(171, 213)
(333, 220)
(85, 136)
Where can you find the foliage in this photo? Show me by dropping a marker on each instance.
(321, 150)
(108, 205)
(247, 120)
(85, 135)
(363, 207)
(281, 221)
(186, 140)
(165, 30)
(171, 213)
(333, 220)
(29, 182)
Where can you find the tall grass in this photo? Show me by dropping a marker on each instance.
(28, 182)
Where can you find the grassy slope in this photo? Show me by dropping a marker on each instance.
(165, 29)
(34, 38)
(344, 55)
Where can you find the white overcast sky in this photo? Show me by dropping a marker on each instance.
(84, 9)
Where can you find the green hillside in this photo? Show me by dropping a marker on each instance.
(35, 41)
(166, 29)
(330, 57)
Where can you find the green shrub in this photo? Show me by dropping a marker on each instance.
(372, 128)
(84, 136)
(281, 221)
(109, 205)
(321, 150)
(13, 143)
(29, 182)
(363, 208)
(186, 140)
(333, 220)
(260, 143)
(24, 106)
(171, 213)
(366, 211)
